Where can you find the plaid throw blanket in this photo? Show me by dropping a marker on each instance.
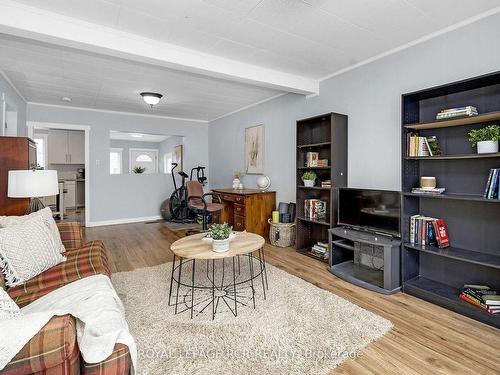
(95, 305)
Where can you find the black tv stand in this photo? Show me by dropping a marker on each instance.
(350, 259)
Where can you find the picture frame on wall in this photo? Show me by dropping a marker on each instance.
(178, 156)
(254, 149)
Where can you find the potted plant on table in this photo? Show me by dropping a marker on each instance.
(309, 177)
(138, 169)
(220, 237)
(486, 139)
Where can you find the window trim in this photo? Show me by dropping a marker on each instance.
(154, 150)
(120, 151)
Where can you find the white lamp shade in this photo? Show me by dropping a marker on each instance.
(31, 184)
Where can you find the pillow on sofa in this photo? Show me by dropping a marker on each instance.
(8, 308)
(26, 250)
(46, 214)
(2, 280)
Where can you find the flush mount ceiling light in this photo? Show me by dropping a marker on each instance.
(151, 98)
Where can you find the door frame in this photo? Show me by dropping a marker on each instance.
(86, 128)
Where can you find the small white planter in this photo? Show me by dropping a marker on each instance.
(220, 246)
(487, 147)
(309, 183)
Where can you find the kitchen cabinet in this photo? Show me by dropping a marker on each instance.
(66, 147)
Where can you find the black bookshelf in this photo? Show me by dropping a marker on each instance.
(437, 275)
(327, 135)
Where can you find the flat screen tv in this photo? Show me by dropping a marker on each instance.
(372, 210)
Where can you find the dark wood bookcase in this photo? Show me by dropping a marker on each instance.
(473, 222)
(327, 135)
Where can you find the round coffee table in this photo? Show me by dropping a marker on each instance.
(195, 248)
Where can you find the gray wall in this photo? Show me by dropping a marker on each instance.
(115, 197)
(16, 102)
(370, 95)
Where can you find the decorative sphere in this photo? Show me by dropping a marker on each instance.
(263, 182)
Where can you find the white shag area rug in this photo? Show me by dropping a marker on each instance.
(298, 329)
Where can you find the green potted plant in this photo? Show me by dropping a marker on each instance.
(220, 234)
(486, 139)
(309, 177)
(138, 170)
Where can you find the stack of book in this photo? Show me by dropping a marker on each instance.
(326, 183)
(417, 146)
(457, 112)
(481, 296)
(315, 209)
(322, 163)
(320, 249)
(428, 231)
(492, 190)
(434, 191)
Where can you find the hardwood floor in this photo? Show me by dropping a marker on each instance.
(426, 339)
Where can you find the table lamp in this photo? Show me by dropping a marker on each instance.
(33, 184)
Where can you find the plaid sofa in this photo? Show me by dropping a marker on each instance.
(54, 350)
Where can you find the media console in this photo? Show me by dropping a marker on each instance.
(366, 259)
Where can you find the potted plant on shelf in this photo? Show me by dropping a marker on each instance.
(309, 177)
(220, 234)
(486, 139)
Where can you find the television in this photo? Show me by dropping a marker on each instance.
(376, 211)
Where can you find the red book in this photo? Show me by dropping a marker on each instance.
(476, 303)
(441, 233)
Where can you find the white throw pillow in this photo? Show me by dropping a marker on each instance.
(8, 308)
(46, 214)
(26, 250)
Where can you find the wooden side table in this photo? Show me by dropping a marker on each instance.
(195, 248)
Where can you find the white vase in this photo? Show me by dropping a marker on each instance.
(487, 147)
(220, 246)
(309, 183)
(236, 183)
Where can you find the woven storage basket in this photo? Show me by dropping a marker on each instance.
(281, 234)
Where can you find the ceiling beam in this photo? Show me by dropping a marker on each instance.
(34, 23)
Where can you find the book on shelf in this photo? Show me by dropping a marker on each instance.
(320, 249)
(434, 191)
(418, 146)
(322, 163)
(492, 190)
(428, 231)
(326, 183)
(457, 112)
(315, 209)
(481, 296)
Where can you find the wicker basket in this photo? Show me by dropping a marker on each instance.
(281, 234)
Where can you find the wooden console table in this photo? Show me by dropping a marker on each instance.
(247, 209)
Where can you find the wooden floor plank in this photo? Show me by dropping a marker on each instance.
(426, 339)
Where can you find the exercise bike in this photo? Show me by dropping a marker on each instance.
(175, 209)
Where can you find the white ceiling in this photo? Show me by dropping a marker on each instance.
(45, 73)
(312, 38)
(137, 137)
(307, 38)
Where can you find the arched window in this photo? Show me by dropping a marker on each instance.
(144, 158)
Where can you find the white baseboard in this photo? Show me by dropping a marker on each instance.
(123, 221)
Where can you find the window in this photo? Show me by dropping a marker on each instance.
(41, 150)
(115, 160)
(143, 160)
(167, 163)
